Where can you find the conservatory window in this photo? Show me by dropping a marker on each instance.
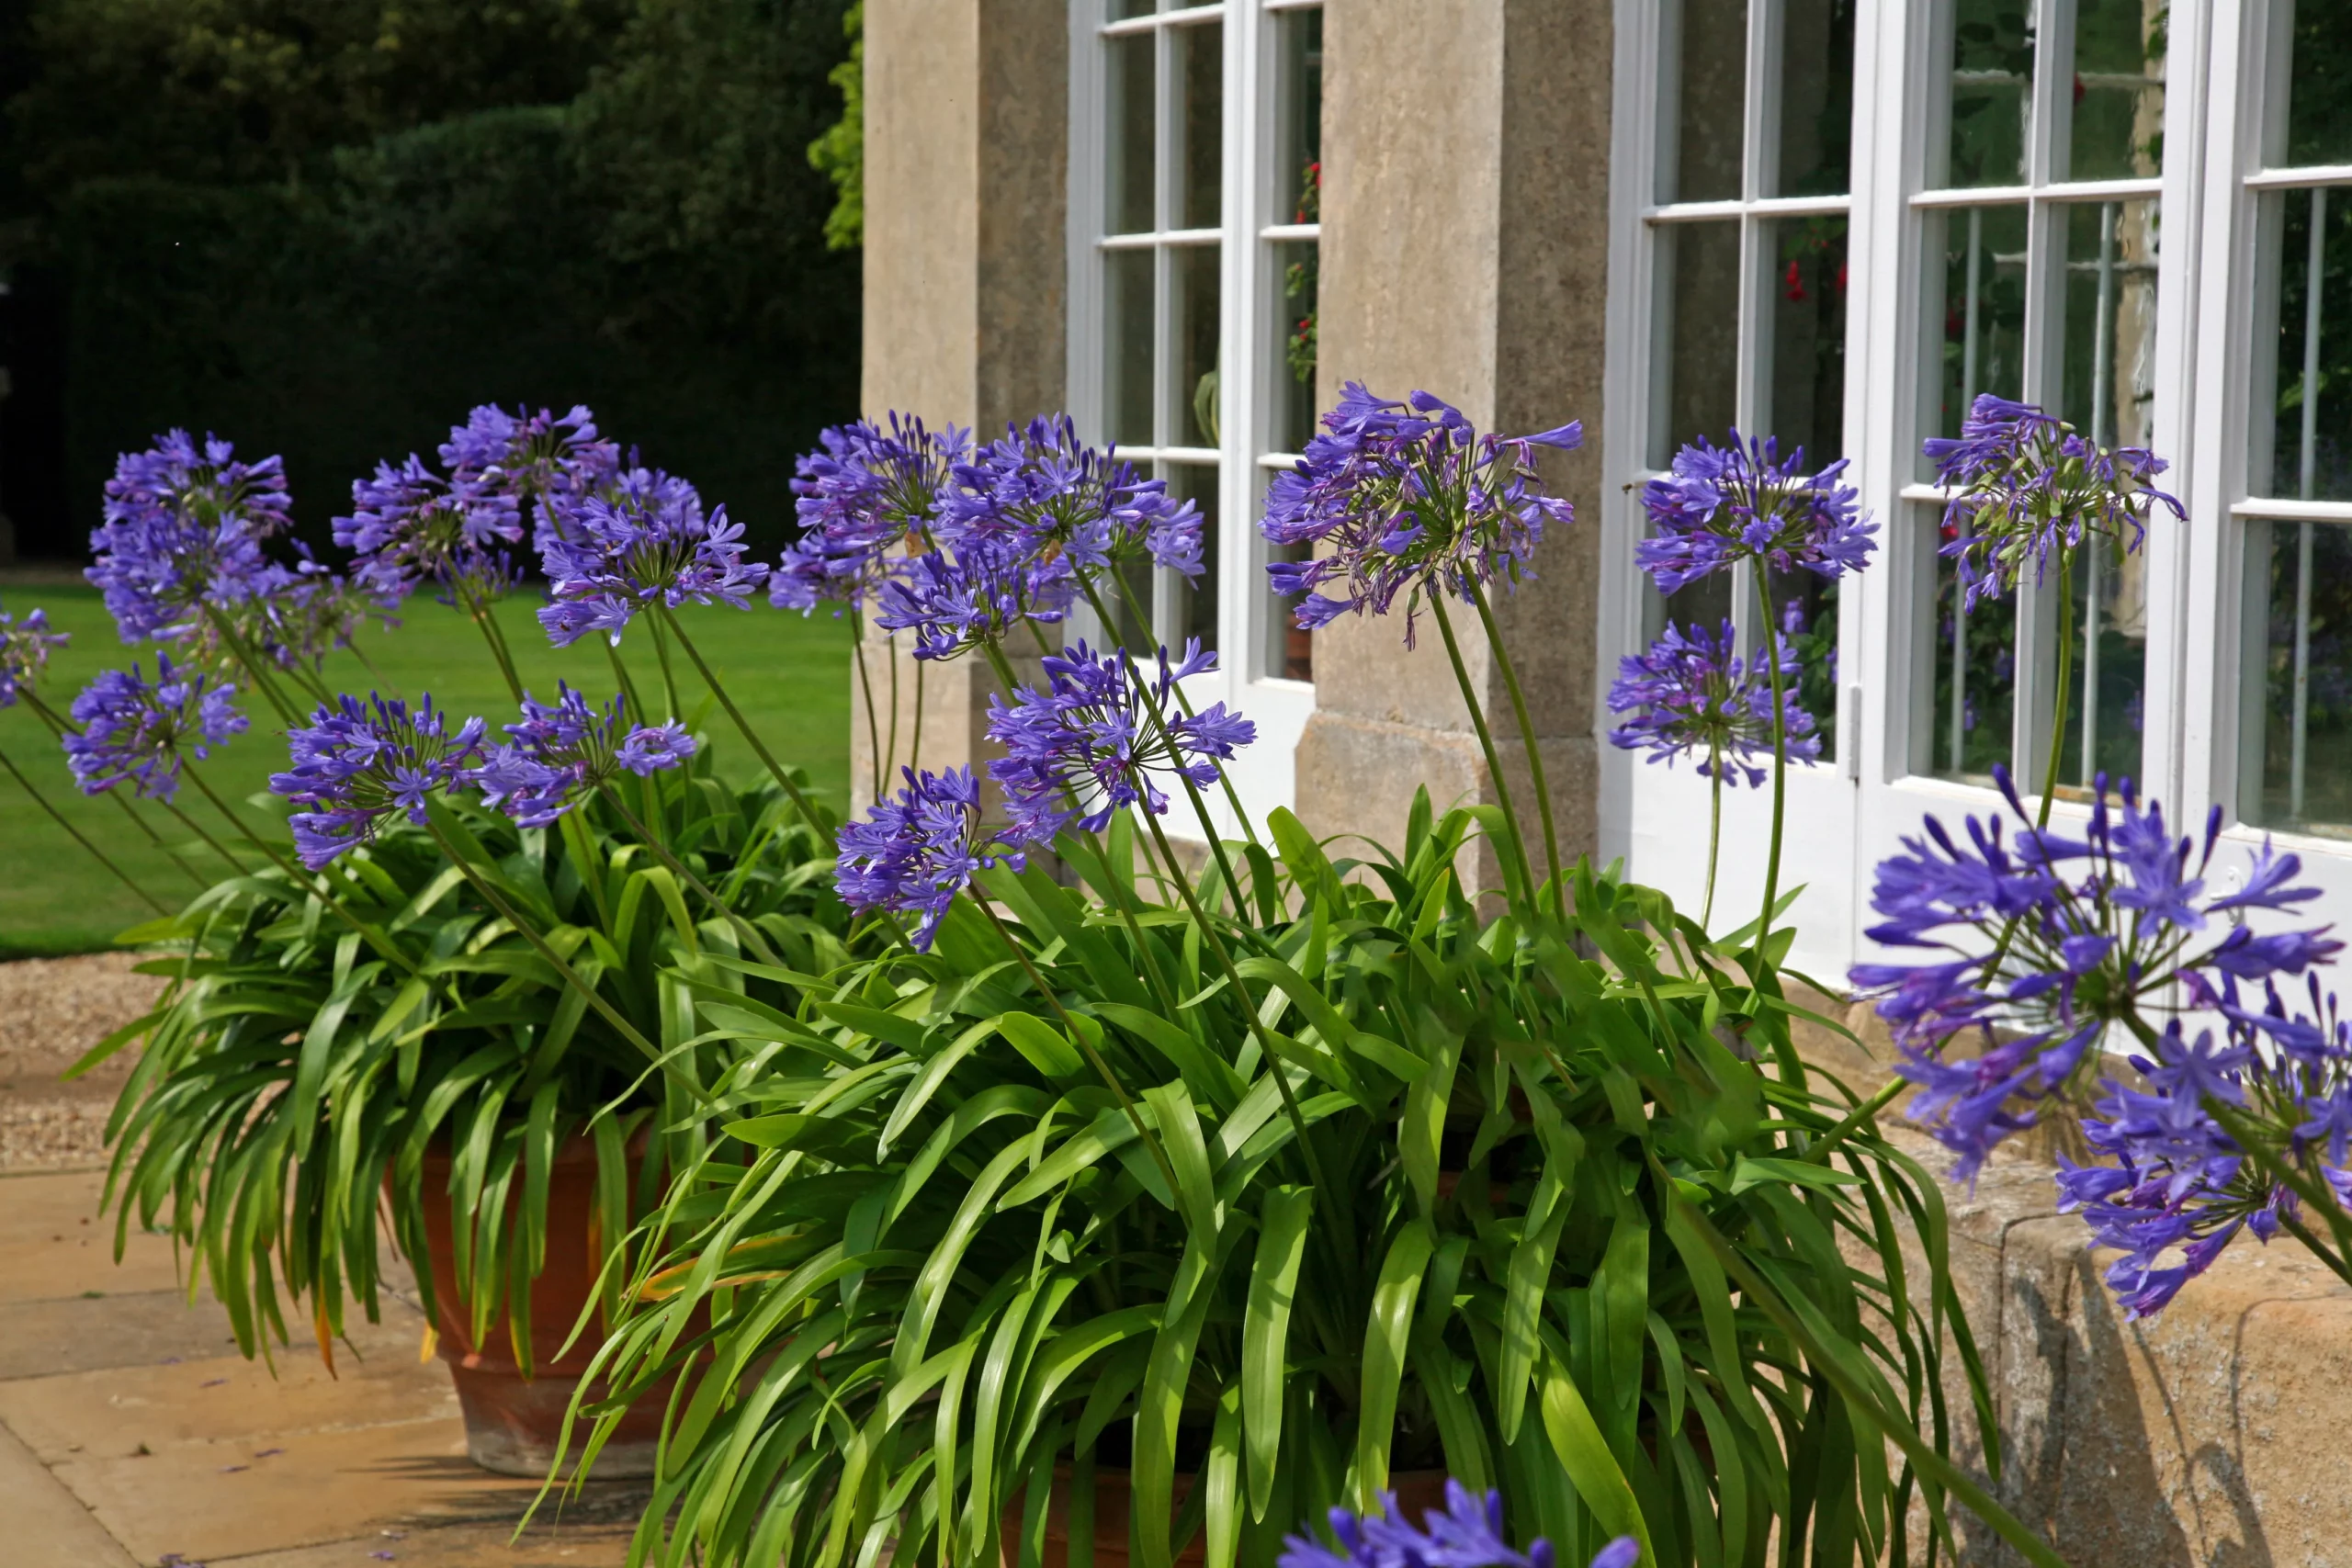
(2040, 235)
(2295, 696)
(1748, 227)
(1288, 236)
(1161, 253)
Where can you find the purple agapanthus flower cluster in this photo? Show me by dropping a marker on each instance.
(2047, 942)
(25, 648)
(954, 600)
(356, 763)
(1041, 493)
(914, 854)
(296, 615)
(182, 527)
(1742, 501)
(1691, 695)
(644, 539)
(2181, 1186)
(1407, 498)
(1101, 735)
(863, 495)
(560, 753)
(131, 728)
(410, 525)
(1467, 1533)
(2024, 484)
(544, 461)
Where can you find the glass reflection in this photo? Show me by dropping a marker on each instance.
(1976, 300)
(2118, 128)
(2296, 737)
(1704, 62)
(1198, 396)
(1128, 347)
(1200, 68)
(1128, 81)
(1992, 93)
(1975, 664)
(1695, 360)
(2110, 350)
(2311, 118)
(2302, 435)
(1804, 379)
(1816, 98)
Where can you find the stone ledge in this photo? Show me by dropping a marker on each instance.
(2219, 1433)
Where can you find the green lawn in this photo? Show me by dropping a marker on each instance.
(790, 676)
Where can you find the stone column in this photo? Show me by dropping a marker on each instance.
(966, 157)
(1465, 201)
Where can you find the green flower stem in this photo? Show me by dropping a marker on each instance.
(1192, 791)
(1779, 752)
(743, 927)
(1216, 944)
(309, 881)
(669, 676)
(485, 619)
(1527, 736)
(193, 826)
(96, 854)
(594, 998)
(1079, 1038)
(1126, 597)
(634, 707)
(259, 678)
(2060, 696)
(914, 745)
(382, 682)
(873, 730)
(776, 769)
(891, 653)
(1516, 863)
(1714, 829)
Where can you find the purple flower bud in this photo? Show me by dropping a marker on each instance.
(356, 765)
(1720, 505)
(914, 854)
(25, 648)
(1690, 696)
(131, 729)
(642, 539)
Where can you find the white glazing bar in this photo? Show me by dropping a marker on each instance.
(2079, 190)
(2318, 175)
(1967, 339)
(2313, 277)
(1770, 206)
(1145, 23)
(2102, 433)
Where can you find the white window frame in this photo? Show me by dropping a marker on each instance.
(1647, 812)
(2219, 497)
(1253, 198)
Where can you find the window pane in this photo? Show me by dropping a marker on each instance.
(2108, 388)
(1695, 355)
(2119, 110)
(1804, 379)
(1293, 346)
(1194, 268)
(1808, 610)
(1298, 112)
(1123, 9)
(2106, 701)
(1816, 98)
(1188, 606)
(1992, 92)
(1704, 63)
(2297, 709)
(1200, 69)
(2313, 122)
(2302, 439)
(1129, 79)
(1127, 338)
(1976, 297)
(1975, 665)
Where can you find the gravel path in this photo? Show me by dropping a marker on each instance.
(51, 1010)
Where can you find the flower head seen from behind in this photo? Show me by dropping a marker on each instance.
(862, 495)
(559, 753)
(1466, 1533)
(1043, 494)
(182, 529)
(356, 764)
(977, 592)
(1103, 735)
(913, 853)
(410, 525)
(1690, 696)
(1722, 505)
(2088, 932)
(644, 540)
(2024, 484)
(25, 648)
(143, 732)
(1407, 498)
(544, 461)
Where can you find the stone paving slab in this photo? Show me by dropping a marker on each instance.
(131, 1429)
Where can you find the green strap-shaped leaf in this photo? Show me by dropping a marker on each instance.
(1583, 1453)
(1529, 1275)
(1047, 1048)
(1160, 1403)
(1265, 1332)
(1387, 1333)
(1221, 1480)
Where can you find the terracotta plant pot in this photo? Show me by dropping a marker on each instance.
(1418, 1491)
(513, 1422)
